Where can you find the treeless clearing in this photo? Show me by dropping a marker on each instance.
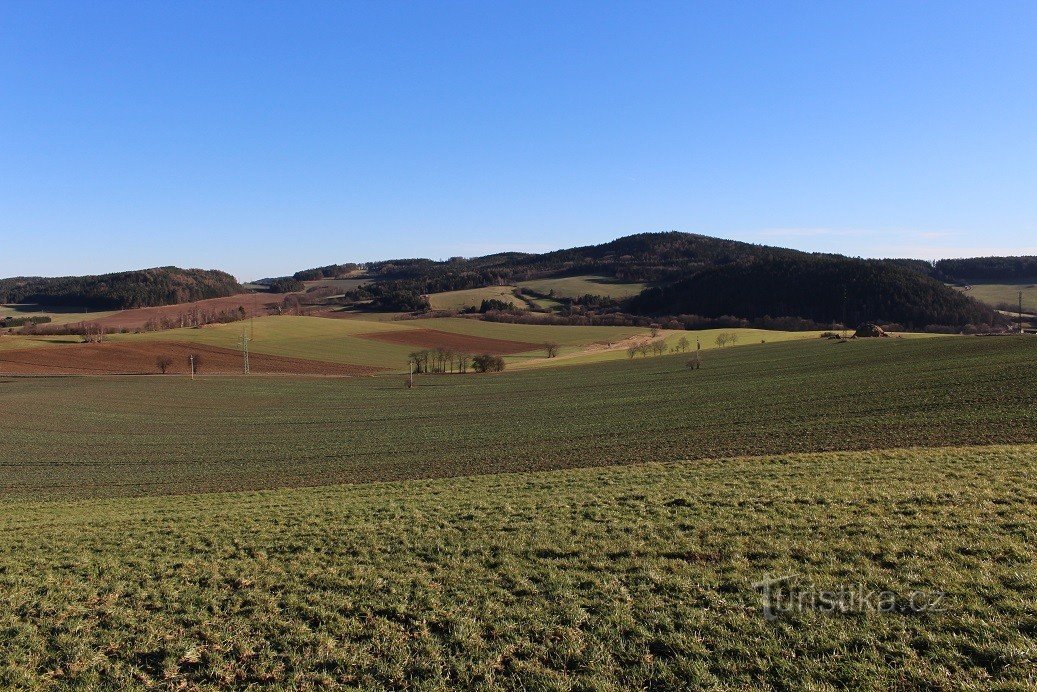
(141, 358)
(433, 338)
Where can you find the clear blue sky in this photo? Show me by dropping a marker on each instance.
(266, 137)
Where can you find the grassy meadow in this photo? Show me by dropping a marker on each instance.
(577, 286)
(999, 294)
(592, 527)
(629, 577)
(472, 297)
(57, 315)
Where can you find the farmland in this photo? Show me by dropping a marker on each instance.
(576, 286)
(57, 315)
(473, 297)
(131, 436)
(1006, 294)
(594, 579)
(595, 526)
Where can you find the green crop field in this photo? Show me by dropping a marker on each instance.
(339, 340)
(576, 286)
(999, 294)
(158, 435)
(313, 338)
(589, 527)
(458, 300)
(629, 577)
(57, 315)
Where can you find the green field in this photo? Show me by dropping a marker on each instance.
(589, 527)
(473, 297)
(342, 285)
(998, 294)
(57, 315)
(629, 577)
(313, 338)
(339, 340)
(577, 286)
(158, 435)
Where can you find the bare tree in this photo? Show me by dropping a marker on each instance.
(551, 348)
(658, 347)
(695, 362)
(643, 350)
(632, 351)
(683, 344)
(163, 363)
(655, 330)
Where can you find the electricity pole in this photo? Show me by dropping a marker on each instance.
(1020, 312)
(191, 358)
(244, 349)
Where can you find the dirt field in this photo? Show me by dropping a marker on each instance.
(140, 358)
(432, 338)
(259, 304)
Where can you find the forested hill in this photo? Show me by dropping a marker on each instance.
(820, 288)
(691, 274)
(132, 289)
(991, 269)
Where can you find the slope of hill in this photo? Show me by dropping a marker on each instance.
(989, 269)
(695, 274)
(121, 290)
(816, 287)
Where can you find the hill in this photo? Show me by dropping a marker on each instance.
(691, 274)
(817, 287)
(988, 269)
(121, 290)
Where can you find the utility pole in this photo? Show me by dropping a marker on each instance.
(244, 349)
(1020, 312)
(191, 358)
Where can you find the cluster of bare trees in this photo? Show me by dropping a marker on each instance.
(439, 360)
(656, 348)
(444, 360)
(725, 338)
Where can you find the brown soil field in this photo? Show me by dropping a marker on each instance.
(256, 303)
(124, 359)
(433, 338)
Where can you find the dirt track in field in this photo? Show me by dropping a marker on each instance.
(433, 338)
(140, 358)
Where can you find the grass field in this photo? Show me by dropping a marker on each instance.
(339, 341)
(591, 527)
(630, 577)
(576, 286)
(996, 294)
(459, 300)
(127, 436)
(342, 285)
(57, 315)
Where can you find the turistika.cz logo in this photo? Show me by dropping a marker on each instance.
(788, 594)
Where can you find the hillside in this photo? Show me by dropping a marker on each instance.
(121, 290)
(691, 274)
(819, 288)
(812, 395)
(988, 269)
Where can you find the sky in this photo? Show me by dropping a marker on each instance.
(267, 137)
